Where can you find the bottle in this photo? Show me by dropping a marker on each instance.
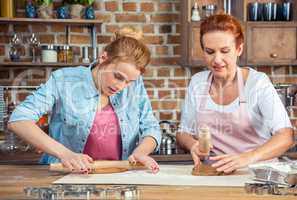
(195, 13)
(62, 54)
(65, 54)
(86, 55)
(204, 140)
(69, 54)
(7, 8)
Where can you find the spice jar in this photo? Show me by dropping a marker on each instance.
(65, 54)
(62, 54)
(69, 54)
(208, 10)
(7, 8)
(49, 53)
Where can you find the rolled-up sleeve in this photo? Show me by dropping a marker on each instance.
(149, 125)
(38, 103)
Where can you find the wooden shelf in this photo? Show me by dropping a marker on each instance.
(92, 24)
(38, 64)
(50, 21)
(258, 23)
(272, 23)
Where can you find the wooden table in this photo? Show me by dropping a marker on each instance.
(13, 179)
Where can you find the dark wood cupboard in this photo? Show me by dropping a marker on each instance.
(266, 42)
(271, 44)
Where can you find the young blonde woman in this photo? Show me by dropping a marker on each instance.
(240, 106)
(98, 112)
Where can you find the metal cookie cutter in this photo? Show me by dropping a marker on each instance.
(261, 188)
(82, 192)
(269, 188)
(284, 173)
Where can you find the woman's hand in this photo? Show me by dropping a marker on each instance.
(196, 154)
(147, 161)
(230, 163)
(76, 162)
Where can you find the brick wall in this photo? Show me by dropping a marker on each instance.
(165, 80)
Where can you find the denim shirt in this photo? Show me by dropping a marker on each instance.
(71, 98)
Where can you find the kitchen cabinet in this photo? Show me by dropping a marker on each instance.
(92, 24)
(266, 42)
(271, 44)
(196, 53)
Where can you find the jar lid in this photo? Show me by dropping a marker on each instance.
(209, 7)
(49, 47)
(65, 47)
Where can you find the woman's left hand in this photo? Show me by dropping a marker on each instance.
(229, 163)
(147, 161)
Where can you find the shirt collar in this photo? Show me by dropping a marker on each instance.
(93, 90)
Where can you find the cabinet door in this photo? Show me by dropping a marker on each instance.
(271, 45)
(195, 50)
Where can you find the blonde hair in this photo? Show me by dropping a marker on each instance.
(128, 47)
(129, 31)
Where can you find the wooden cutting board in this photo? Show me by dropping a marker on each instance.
(103, 167)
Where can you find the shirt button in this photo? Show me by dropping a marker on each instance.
(83, 140)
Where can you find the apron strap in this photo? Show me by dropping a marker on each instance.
(240, 86)
(206, 91)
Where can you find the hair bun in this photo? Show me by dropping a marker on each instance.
(128, 31)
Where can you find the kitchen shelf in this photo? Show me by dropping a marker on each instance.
(272, 23)
(50, 21)
(270, 43)
(39, 64)
(92, 24)
(257, 23)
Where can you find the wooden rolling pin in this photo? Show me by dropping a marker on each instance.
(103, 166)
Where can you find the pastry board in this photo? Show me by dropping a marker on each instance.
(178, 175)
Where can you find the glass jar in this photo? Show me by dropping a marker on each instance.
(65, 54)
(69, 54)
(49, 54)
(7, 8)
(62, 55)
(208, 10)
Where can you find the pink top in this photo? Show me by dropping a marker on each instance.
(104, 141)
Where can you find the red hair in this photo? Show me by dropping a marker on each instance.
(222, 22)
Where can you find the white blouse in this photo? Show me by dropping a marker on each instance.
(265, 109)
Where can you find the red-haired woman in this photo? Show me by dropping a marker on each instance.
(240, 106)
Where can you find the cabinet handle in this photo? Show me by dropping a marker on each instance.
(273, 55)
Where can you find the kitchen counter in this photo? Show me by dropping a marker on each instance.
(14, 178)
(32, 157)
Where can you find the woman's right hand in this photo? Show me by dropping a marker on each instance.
(196, 154)
(76, 162)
